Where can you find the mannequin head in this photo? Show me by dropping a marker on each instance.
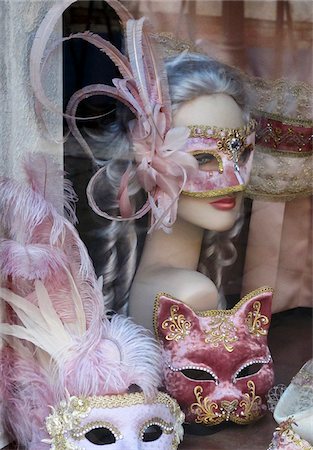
(203, 91)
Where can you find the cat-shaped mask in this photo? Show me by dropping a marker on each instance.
(217, 363)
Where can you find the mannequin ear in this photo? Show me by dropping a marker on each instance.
(256, 311)
(173, 320)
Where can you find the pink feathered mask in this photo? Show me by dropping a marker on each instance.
(71, 377)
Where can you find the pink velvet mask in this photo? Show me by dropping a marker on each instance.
(224, 157)
(217, 363)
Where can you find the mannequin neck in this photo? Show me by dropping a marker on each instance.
(179, 249)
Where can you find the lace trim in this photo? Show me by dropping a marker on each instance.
(280, 176)
(281, 97)
(172, 46)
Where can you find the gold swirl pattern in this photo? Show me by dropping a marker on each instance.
(222, 330)
(255, 320)
(251, 405)
(177, 325)
(207, 412)
(211, 413)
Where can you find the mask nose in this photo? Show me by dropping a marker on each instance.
(228, 407)
(130, 442)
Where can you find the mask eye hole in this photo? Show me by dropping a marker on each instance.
(198, 375)
(100, 436)
(244, 156)
(252, 369)
(207, 161)
(152, 433)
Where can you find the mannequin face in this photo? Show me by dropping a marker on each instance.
(216, 110)
(215, 214)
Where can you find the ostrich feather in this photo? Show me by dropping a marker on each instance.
(21, 222)
(30, 262)
(120, 10)
(38, 326)
(37, 52)
(155, 67)
(106, 47)
(136, 58)
(42, 172)
(82, 94)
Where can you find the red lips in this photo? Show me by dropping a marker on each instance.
(224, 204)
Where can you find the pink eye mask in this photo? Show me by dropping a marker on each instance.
(217, 363)
(228, 151)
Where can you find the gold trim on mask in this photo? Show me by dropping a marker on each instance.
(67, 417)
(206, 131)
(79, 433)
(215, 192)
(209, 152)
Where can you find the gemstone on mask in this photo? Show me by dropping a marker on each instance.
(234, 144)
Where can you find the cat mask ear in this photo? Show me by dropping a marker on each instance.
(256, 311)
(173, 320)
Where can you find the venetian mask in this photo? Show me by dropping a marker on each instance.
(217, 363)
(224, 157)
(122, 422)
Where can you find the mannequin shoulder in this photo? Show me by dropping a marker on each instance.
(189, 286)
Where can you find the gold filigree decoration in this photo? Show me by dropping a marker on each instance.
(251, 405)
(67, 417)
(284, 435)
(255, 320)
(222, 331)
(207, 412)
(230, 141)
(177, 325)
(205, 131)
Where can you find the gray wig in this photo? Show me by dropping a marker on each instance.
(190, 75)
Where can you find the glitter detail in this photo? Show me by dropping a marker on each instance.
(222, 331)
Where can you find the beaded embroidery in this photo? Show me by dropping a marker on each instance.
(166, 427)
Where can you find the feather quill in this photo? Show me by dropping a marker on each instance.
(136, 58)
